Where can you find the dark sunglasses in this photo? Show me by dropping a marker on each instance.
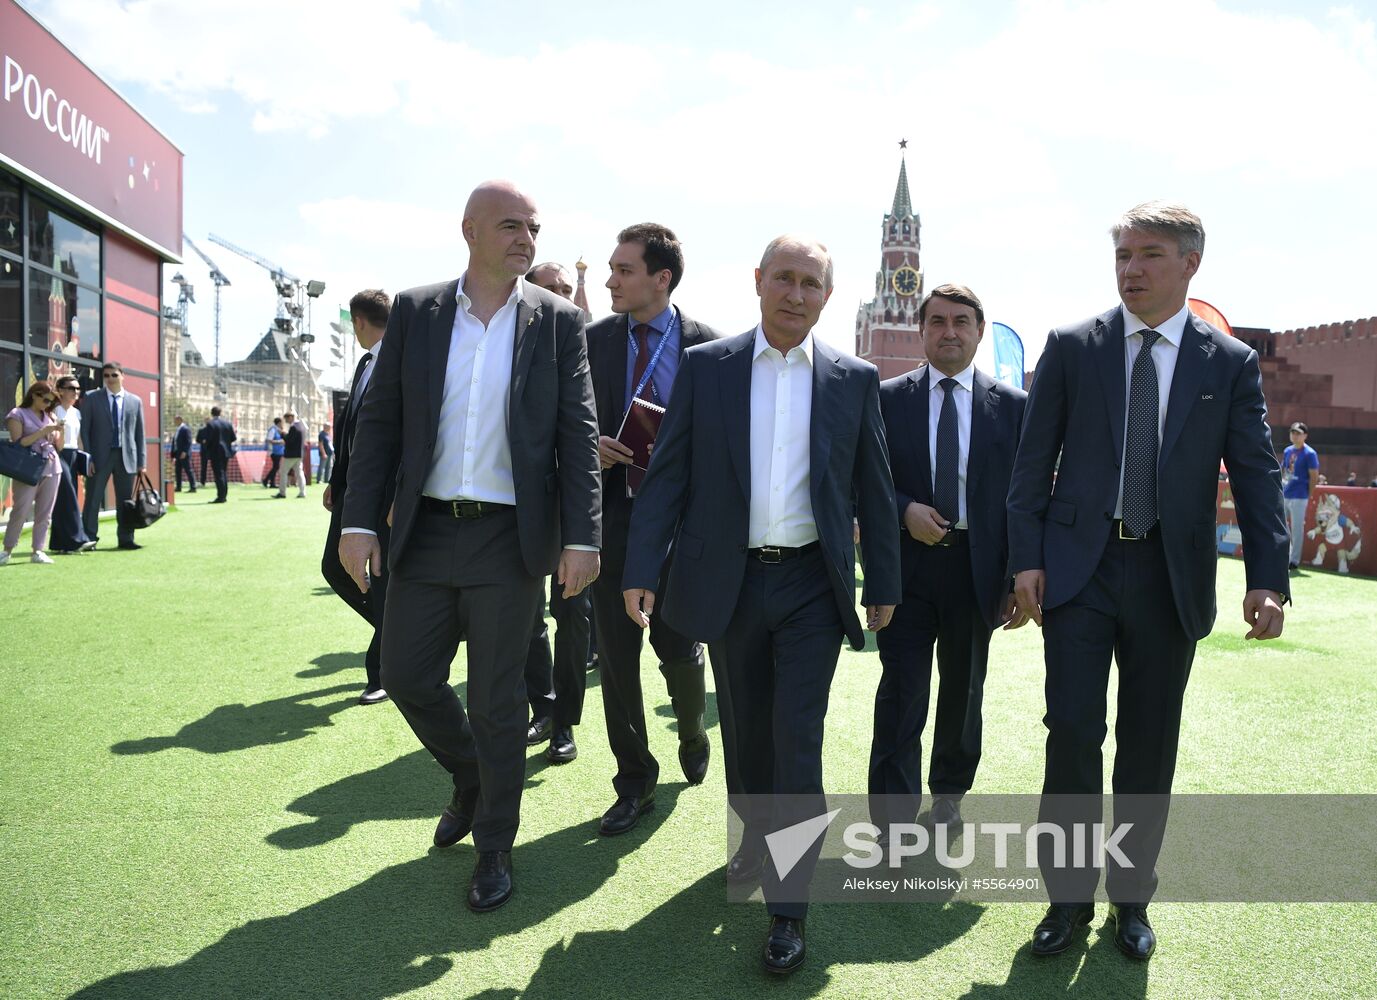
(109, 375)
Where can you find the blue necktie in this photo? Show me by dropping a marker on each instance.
(115, 421)
(945, 496)
(1141, 444)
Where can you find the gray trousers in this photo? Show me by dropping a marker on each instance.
(1295, 521)
(107, 466)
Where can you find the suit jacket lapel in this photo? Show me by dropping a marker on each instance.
(826, 378)
(528, 312)
(612, 377)
(917, 424)
(439, 332)
(1197, 348)
(1107, 344)
(735, 402)
(984, 402)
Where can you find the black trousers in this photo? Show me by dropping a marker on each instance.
(619, 672)
(555, 684)
(67, 532)
(775, 665)
(938, 608)
(370, 605)
(205, 457)
(465, 577)
(183, 465)
(110, 465)
(270, 477)
(220, 467)
(1125, 614)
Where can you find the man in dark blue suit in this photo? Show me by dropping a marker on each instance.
(772, 442)
(952, 433)
(181, 455)
(219, 443)
(368, 311)
(1115, 557)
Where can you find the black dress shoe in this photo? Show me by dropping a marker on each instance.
(457, 819)
(745, 867)
(946, 809)
(372, 696)
(625, 813)
(784, 949)
(1059, 926)
(1132, 932)
(130, 546)
(694, 754)
(491, 885)
(562, 748)
(539, 730)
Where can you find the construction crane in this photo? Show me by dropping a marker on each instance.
(218, 277)
(289, 308)
(290, 311)
(185, 297)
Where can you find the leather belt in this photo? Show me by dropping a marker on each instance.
(464, 509)
(954, 536)
(1123, 535)
(772, 554)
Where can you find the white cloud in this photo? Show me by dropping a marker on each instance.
(1028, 132)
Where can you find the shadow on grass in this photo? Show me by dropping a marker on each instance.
(332, 663)
(1091, 968)
(398, 930)
(710, 717)
(410, 787)
(239, 727)
(701, 945)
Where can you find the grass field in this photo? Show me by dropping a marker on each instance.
(191, 806)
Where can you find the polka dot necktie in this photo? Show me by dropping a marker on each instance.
(1140, 446)
(944, 484)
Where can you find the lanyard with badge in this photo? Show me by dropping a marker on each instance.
(654, 359)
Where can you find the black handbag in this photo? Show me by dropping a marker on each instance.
(144, 507)
(23, 464)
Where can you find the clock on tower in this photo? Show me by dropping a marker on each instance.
(905, 280)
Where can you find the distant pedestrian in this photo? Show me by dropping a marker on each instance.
(1352, 479)
(68, 532)
(112, 431)
(181, 455)
(32, 425)
(205, 455)
(1300, 473)
(293, 444)
(327, 455)
(273, 439)
(220, 439)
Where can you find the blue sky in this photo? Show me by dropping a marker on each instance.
(341, 139)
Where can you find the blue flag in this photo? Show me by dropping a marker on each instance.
(1008, 352)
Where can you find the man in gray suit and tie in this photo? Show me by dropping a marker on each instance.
(112, 431)
(481, 402)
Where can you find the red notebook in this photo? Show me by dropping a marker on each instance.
(638, 430)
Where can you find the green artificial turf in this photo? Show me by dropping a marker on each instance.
(191, 806)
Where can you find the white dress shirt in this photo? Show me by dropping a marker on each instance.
(781, 416)
(71, 425)
(473, 453)
(963, 399)
(1164, 354)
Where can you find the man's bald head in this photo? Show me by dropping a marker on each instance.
(500, 227)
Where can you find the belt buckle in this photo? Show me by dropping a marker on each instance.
(770, 555)
(463, 509)
(1124, 537)
(946, 541)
